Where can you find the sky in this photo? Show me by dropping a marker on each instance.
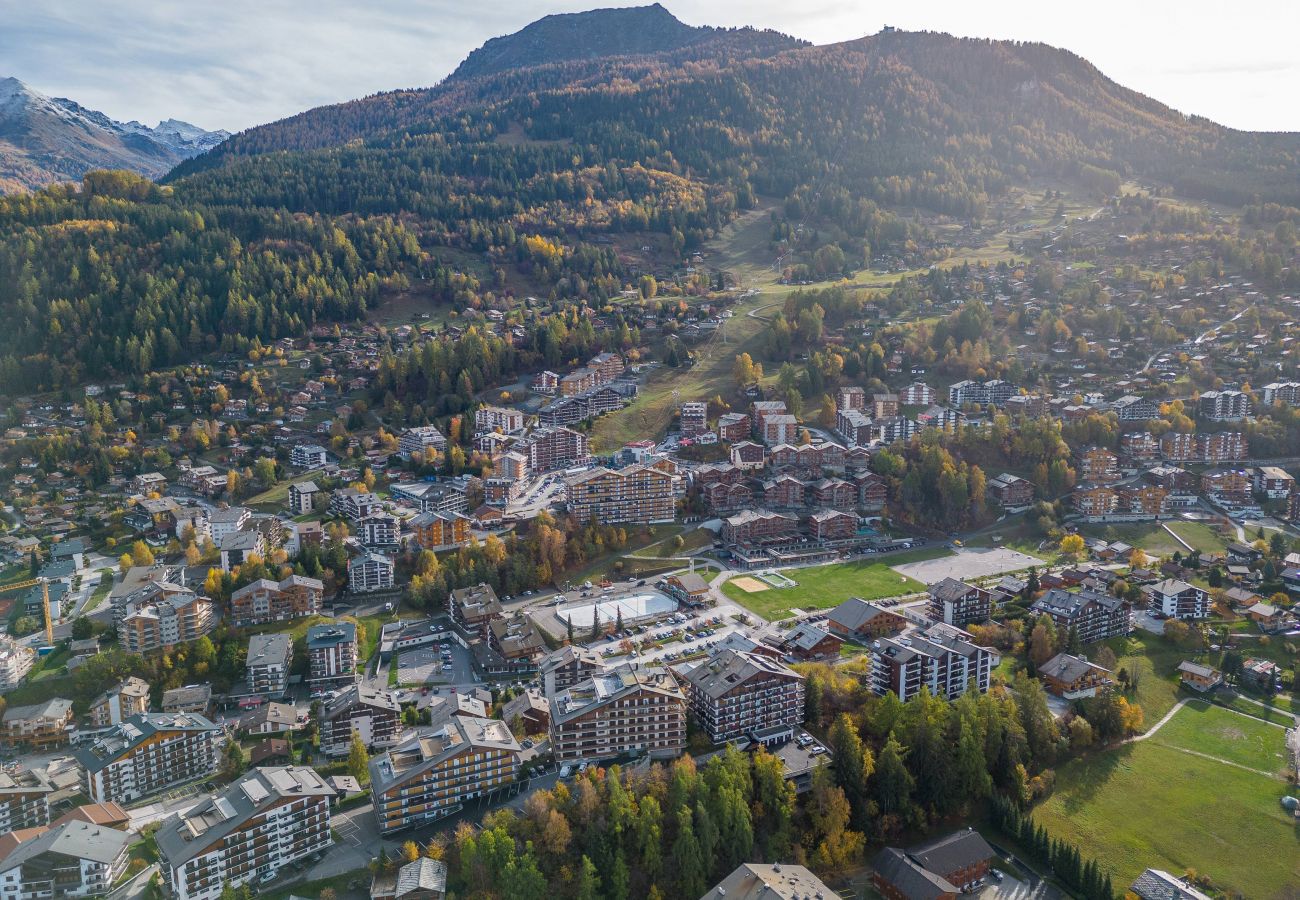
(237, 63)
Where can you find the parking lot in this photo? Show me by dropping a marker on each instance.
(696, 632)
(968, 563)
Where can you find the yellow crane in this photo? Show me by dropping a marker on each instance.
(45, 602)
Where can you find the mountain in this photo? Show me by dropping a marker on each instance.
(44, 140)
(532, 179)
(597, 34)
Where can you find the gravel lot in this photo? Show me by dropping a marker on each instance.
(968, 563)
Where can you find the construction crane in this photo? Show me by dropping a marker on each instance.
(45, 603)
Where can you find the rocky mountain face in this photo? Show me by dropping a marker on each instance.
(45, 140)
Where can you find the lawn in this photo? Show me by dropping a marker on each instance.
(1278, 710)
(1200, 535)
(1148, 804)
(822, 587)
(1154, 661)
(1220, 732)
(1147, 536)
(102, 590)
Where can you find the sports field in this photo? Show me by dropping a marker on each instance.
(1161, 803)
(823, 587)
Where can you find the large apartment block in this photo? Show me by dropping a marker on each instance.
(631, 709)
(420, 440)
(24, 800)
(268, 661)
(265, 600)
(563, 668)
(736, 694)
(440, 530)
(146, 754)
(267, 820)
(472, 608)
(72, 859)
(332, 653)
(636, 493)
(549, 449)
(957, 603)
(433, 772)
(170, 618)
(119, 702)
(1094, 614)
(371, 713)
(1179, 600)
(941, 658)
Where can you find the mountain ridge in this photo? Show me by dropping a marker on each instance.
(45, 140)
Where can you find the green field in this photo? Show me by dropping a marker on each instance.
(1223, 733)
(1151, 804)
(823, 587)
(1201, 536)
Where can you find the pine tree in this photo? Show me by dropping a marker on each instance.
(688, 858)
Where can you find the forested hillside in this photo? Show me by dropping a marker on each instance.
(531, 169)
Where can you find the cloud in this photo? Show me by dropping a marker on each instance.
(237, 63)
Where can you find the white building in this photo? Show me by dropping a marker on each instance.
(420, 440)
(267, 820)
(370, 572)
(308, 456)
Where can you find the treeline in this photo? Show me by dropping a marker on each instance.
(666, 831)
(542, 556)
(119, 277)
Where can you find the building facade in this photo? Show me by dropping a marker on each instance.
(147, 754)
(735, 694)
(631, 709)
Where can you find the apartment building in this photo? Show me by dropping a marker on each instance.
(980, 393)
(606, 365)
(918, 393)
(472, 608)
(1223, 406)
(129, 698)
(332, 653)
(238, 546)
(1136, 409)
(269, 659)
(630, 709)
(1098, 465)
(440, 530)
(579, 381)
(638, 493)
(1221, 446)
(195, 698)
(302, 497)
(957, 603)
(758, 526)
(1094, 614)
(854, 426)
(24, 800)
(1010, 491)
(1273, 482)
(570, 665)
(1179, 600)
(308, 456)
(693, 418)
(72, 859)
(780, 428)
(369, 712)
(735, 694)
(227, 521)
(549, 449)
(354, 504)
(370, 572)
(16, 660)
(733, 427)
(420, 440)
(1286, 393)
(1094, 500)
(380, 530)
(146, 754)
(941, 658)
(498, 418)
(171, 618)
(40, 726)
(264, 600)
(432, 773)
(270, 818)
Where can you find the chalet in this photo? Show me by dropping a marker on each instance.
(1073, 677)
(1199, 677)
(1010, 491)
(856, 619)
(807, 642)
